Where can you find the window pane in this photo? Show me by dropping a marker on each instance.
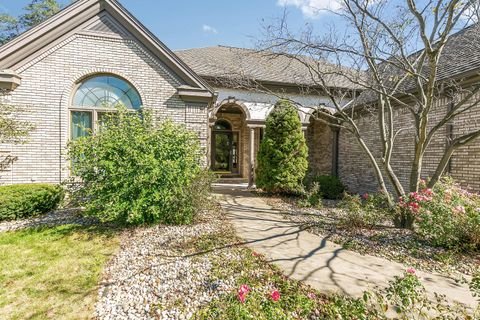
(82, 124)
(106, 91)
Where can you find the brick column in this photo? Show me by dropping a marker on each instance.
(251, 157)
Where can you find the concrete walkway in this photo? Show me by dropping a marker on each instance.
(313, 259)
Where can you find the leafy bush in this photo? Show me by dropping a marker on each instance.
(134, 171)
(446, 216)
(282, 158)
(27, 200)
(312, 198)
(366, 211)
(330, 187)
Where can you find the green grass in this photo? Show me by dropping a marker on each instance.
(53, 273)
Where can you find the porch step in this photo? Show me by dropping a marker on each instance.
(232, 180)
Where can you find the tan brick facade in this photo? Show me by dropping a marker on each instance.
(48, 83)
(356, 171)
(319, 138)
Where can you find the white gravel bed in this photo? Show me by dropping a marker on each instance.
(151, 278)
(55, 218)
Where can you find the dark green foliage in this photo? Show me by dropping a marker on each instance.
(282, 158)
(135, 172)
(27, 200)
(36, 12)
(330, 187)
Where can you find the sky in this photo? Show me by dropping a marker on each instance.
(183, 24)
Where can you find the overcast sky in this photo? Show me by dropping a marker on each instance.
(184, 24)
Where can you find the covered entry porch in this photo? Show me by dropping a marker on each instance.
(237, 128)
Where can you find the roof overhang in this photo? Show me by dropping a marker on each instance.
(192, 94)
(9, 80)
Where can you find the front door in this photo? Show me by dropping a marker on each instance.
(225, 152)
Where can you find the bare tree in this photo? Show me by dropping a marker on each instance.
(12, 130)
(390, 59)
(394, 51)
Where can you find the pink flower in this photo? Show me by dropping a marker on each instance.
(242, 292)
(411, 271)
(311, 295)
(241, 297)
(275, 295)
(244, 289)
(255, 254)
(365, 196)
(459, 209)
(428, 192)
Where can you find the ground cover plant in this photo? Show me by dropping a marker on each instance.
(28, 200)
(136, 171)
(53, 272)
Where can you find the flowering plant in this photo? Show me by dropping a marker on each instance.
(446, 216)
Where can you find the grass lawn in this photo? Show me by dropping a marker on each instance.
(53, 272)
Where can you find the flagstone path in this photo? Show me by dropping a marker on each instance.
(318, 262)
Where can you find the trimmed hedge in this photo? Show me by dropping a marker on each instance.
(330, 187)
(27, 200)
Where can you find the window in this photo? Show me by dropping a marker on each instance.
(106, 91)
(96, 97)
(82, 124)
(222, 125)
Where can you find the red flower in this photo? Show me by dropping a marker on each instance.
(255, 254)
(275, 295)
(365, 196)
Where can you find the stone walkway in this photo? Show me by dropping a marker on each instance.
(315, 260)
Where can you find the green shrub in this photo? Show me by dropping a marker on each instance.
(312, 198)
(330, 187)
(366, 211)
(282, 158)
(27, 200)
(134, 171)
(446, 216)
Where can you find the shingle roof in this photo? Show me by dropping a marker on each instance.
(460, 56)
(221, 62)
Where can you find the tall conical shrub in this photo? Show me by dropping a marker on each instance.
(282, 158)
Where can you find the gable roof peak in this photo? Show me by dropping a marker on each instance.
(68, 20)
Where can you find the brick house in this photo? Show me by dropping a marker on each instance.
(95, 52)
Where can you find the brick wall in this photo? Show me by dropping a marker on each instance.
(356, 172)
(48, 83)
(319, 138)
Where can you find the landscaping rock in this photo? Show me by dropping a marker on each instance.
(154, 275)
(52, 219)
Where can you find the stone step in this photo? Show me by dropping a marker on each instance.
(232, 180)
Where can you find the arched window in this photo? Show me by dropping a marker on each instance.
(106, 91)
(95, 97)
(222, 125)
